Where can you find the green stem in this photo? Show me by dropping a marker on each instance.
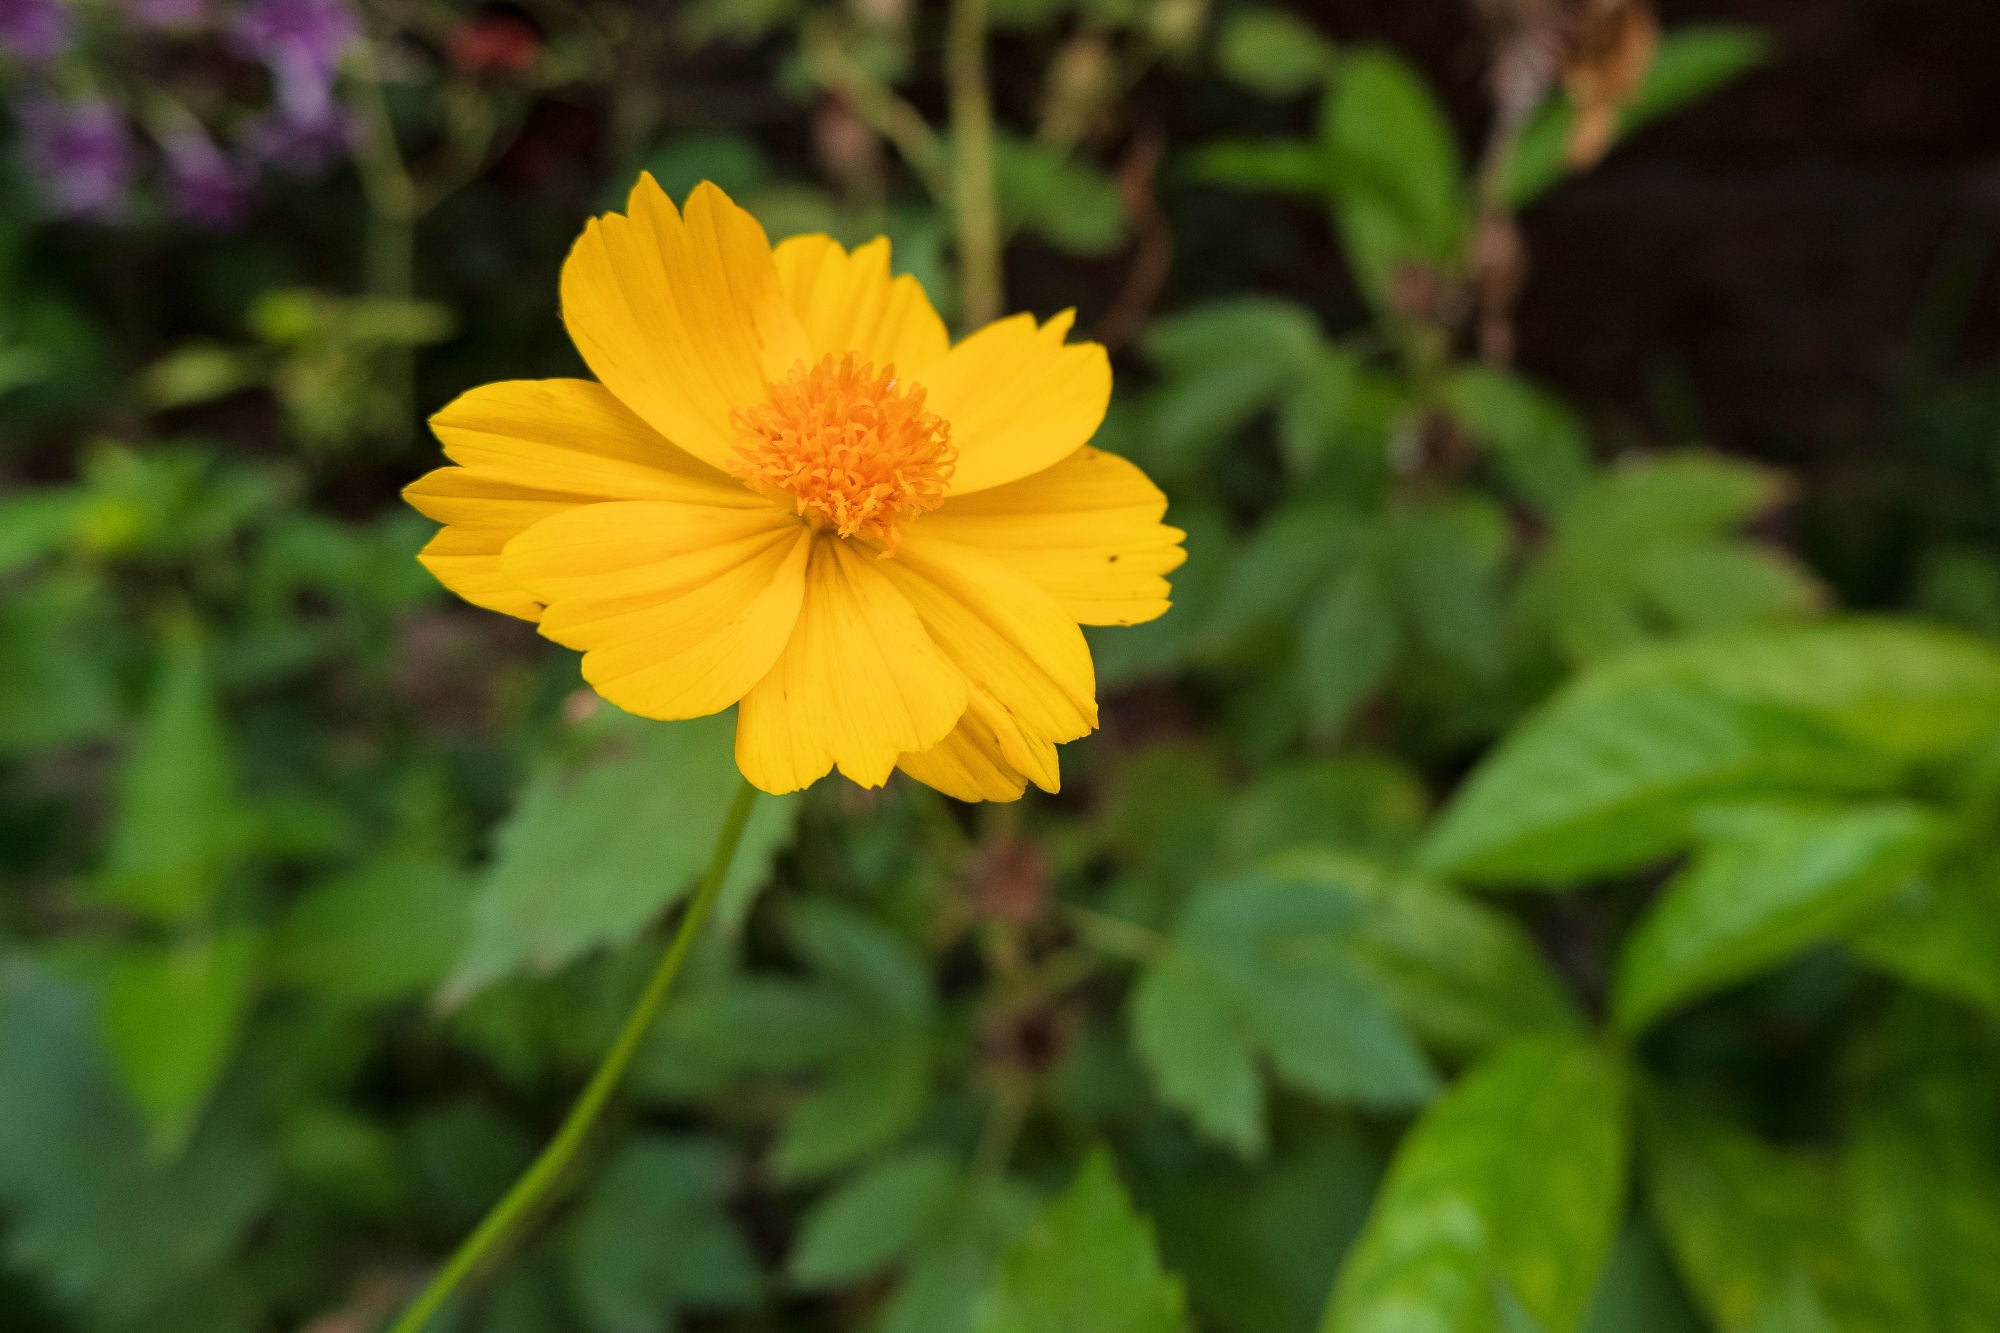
(501, 1225)
(972, 163)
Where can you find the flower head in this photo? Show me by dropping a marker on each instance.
(302, 41)
(207, 187)
(787, 490)
(168, 14)
(34, 31)
(80, 155)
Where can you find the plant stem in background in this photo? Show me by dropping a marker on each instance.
(517, 1207)
(972, 164)
(393, 210)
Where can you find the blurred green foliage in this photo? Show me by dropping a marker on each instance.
(1504, 899)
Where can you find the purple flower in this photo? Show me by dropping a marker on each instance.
(300, 145)
(80, 155)
(34, 31)
(206, 186)
(168, 14)
(302, 41)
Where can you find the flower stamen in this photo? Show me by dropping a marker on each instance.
(850, 446)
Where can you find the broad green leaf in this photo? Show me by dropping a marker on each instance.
(1941, 931)
(171, 1016)
(873, 1219)
(1537, 441)
(1366, 804)
(1348, 643)
(1910, 690)
(1639, 1290)
(1067, 202)
(1294, 166)
(1277, 570)
(652, 1239)
(1648, 550)
(1745, 1221)
(1690, 63)
(1223, 364)
(1509, 1190)
(1608, 776)
(873, 1084)
(58, 691)
(178, 828)
(109, 1229)
(951, 1268)
(1463, 976)
(1199, 1050)
(596, 849)
(1797, 1310)
(1088, 1262)
(1265, 965)
(1922, 1161)
(865, 1100)
(1259, 1247)
(37, 523)
(389, 930)
(1445, 560)
(1396, 179)
(1273, 52)
(1767, 881)
(1336, 424)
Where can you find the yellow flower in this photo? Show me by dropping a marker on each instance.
(787, 490)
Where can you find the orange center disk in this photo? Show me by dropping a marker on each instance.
(852, 448)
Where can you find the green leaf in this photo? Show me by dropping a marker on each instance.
(1639, 1290)
(171, 1017)
(1273, 52)
(389, 930)
(1745, 1221)
(1462, 975)
(1067, 202)
(1608, 776)
(597, 848)
(1284, 166)
(875, 1081)
(1198, 1050)
(1512, 1184)
(652, 1238)
(1922, 1162)
(1907, 689)
(58, 689)
(1396, 177)
(1690, 63)
(1797, 1310)
(1088, 1262)
(873, 1219)
(1446, 561)
(1366, 804)
(178, 827)
(1942, 931)
(1647, 550)
(1223, 364)
(1275, 573)
(1347, 645)
(37, 523)
(1538, 442)
(866, 1100)
(950, 1270)
(1767, 881)
(107, 1226)
(1264, 965)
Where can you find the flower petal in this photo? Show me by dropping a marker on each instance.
(678, 608)
(849, 303)
(528, 449)
(1018, 399)
(681, 316)
(1027, 662)
(860, 683)
(987, 757)
(1087, 531)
